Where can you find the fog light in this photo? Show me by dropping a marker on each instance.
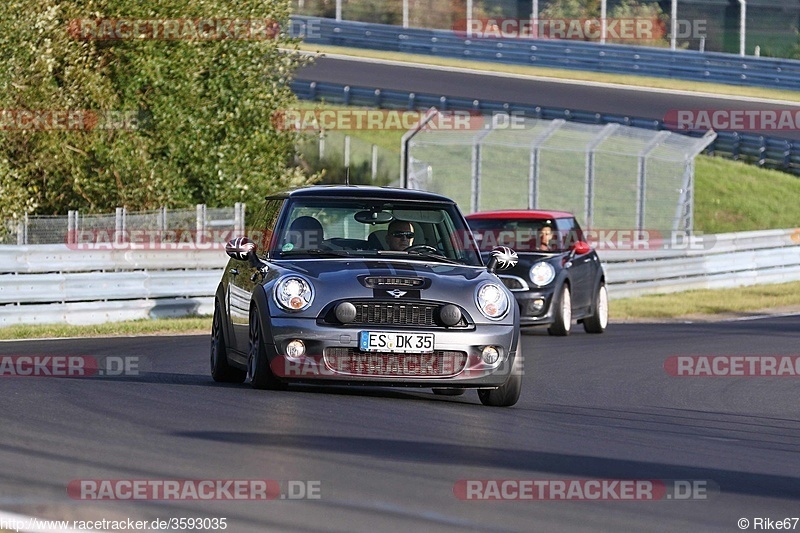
(490, 355)
(345, 312)
(296, 348)
(536, 306)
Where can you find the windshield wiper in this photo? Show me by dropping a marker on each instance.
(317, 252)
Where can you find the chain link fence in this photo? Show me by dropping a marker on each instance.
(339, 154)
(609, 176)
(163, 224)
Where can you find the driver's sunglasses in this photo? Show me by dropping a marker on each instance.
(401, 234)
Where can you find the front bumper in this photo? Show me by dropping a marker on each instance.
(527, 316)
(332, 354)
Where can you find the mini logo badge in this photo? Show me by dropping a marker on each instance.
(397, 293)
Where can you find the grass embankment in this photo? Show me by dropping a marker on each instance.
(743, 300)
(159, 326)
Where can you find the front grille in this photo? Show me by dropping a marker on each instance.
(395, 314)
(351, 361)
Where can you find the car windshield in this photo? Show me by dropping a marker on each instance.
(527, 235)
(339, 227)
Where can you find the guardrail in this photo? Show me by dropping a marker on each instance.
(770, 152)
(691, 65)
(55, 284)
(712, 262)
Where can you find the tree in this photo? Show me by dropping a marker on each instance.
(163, 121)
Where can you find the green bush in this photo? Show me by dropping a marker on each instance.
(204, 132)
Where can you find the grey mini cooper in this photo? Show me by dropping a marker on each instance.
(366, 286)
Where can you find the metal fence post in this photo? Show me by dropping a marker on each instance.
(533, 165)
(72, 229)
(590, 173)
(374, 161)
(119, 225)
(641, 176)
(162, 219)
(475, 202)
(200, 219)
(405, 145)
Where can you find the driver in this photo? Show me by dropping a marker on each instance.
(400, 235)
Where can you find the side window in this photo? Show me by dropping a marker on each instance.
(261, 226)
(569, 232)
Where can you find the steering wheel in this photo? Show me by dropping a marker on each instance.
(422, 248)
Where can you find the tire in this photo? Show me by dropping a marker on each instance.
(599, 320)
(221, 371)
(455, 391)
(563, 313)
(508, 393)
(261, 375)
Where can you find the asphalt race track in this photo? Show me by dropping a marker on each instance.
(632, 101)
(592, 407)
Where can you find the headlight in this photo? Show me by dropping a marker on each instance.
(542, 273)
(293, 293)
(492, 301)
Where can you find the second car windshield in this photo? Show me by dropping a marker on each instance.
(328, 227)
(534, 235)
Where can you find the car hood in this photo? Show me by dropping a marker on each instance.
(336, 279)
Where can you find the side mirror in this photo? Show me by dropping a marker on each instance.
(502, 258)
(240, 248)
(581, 248)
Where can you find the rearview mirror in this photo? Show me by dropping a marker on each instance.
(373, 217)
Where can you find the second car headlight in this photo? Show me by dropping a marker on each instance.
(542, 273)
(293, 293)
(492, 301)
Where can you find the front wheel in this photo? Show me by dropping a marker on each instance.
(599, 320)
(261, 375)
(562, 323)
(508, 393)
(221, 371)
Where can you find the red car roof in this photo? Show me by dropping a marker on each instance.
(517, 214)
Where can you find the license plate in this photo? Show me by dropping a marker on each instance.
(387, 341)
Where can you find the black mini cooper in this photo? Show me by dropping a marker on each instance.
(558, 278)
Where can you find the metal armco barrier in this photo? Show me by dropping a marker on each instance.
(54, 284)
(770, 152)
(567, 54)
